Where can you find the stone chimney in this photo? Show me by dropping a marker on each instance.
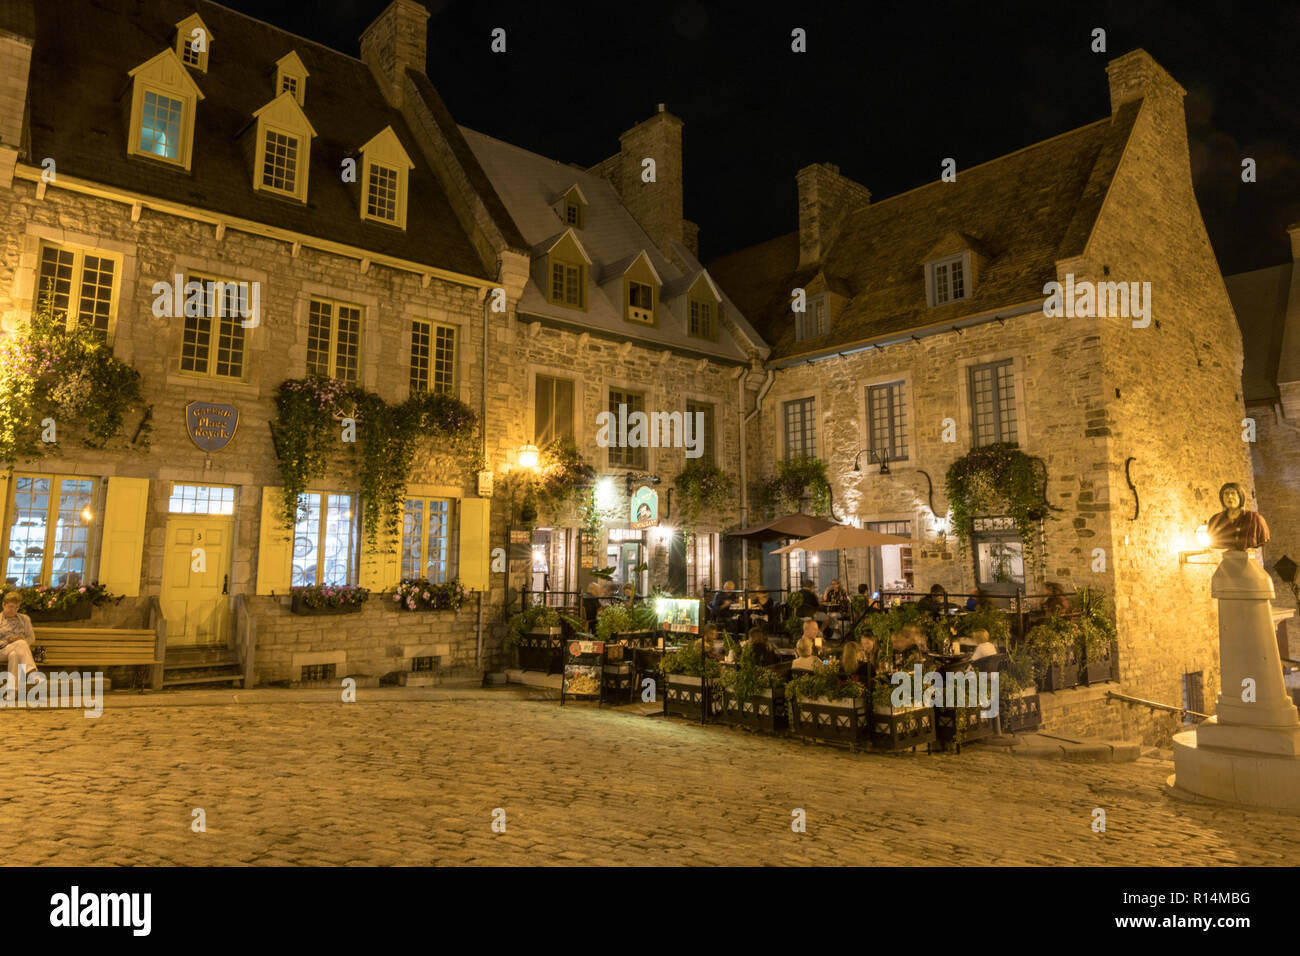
(1136, 75)
(656, 206)
(16, 39)
(396, 41)
(1288, 363)
(825, 199)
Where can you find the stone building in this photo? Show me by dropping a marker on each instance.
(929, 330)
(617, 311)
(142, 143)
(1267, 303)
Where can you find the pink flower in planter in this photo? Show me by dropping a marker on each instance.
(82, 589)
(397, 597)
(410, 602)
(426, 595)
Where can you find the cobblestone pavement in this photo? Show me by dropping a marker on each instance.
(416, 782)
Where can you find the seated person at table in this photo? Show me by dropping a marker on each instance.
(806, 661)
(1056, 601)
(932, 603)
(979, 601)
(712, 643)
(765, 654)
(834, 594)
(722, 599)
(811, 604)
(854, 664)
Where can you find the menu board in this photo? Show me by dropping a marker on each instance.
(584, 668)
(679, 615)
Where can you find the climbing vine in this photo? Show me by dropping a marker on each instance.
(565, 475)
(702, 487)
(309, 425)
(56, 380)
(998, 479)
(795, 480)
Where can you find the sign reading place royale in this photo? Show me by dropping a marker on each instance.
(211, 426)
(645, 508)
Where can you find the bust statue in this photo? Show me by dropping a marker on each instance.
(1235, 528)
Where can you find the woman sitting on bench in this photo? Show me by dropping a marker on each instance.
(17, 638)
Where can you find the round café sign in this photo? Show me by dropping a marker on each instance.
(211, 426)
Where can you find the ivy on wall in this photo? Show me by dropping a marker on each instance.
(54, 380)
(702, 487)
(309, 427)
(796, 480)
(998, 479)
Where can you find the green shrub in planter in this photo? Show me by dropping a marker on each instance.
(898, 728)
(825, 706)
(752, 695)
(537, 617)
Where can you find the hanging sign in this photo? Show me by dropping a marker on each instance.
(211, 426)
(644, 508)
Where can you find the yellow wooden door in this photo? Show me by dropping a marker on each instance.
(195, 579)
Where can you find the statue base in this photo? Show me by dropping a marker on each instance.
(1246, 779)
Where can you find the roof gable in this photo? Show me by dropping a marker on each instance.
(384, 147)
(284, 111)
(166, 69)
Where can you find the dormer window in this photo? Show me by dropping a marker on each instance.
(283, 148)
(163, 102)
(291, 77)
(815, 321)
(703, 308)
(193, 41)
(568, 283)
(641, 284)
(572, 207)
(948, 280)
(385, 171)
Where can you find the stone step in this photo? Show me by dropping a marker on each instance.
(189, 678)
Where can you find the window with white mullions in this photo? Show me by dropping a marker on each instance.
(79, 287)
(553, 410)
(381, 193)
(160, 125)
(705, 435)
(426, 540)
(887, 421)
(201, 500)
(800, 429)
(622, 456)
(993, 403)
(280, 162)
(49, 531)
(333, 340)
(947, 280)
(324, 540)
(213, 342)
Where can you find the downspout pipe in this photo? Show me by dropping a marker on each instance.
(744, 483)
(482, 437)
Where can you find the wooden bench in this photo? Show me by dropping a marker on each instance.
(98, 647)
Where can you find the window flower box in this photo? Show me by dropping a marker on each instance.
(423, 595)
(901, 729)
(766, 711)
(328, 599)
(839, 721)
(73, 612)
(1058, 677)
(68, 602)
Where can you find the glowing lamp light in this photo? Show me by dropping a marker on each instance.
(528, 456)
(1203, 536)
(87, 515)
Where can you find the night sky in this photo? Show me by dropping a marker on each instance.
(885, 91)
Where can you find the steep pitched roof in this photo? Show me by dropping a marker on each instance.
(80, 97)
(529, 184)
(1023, 211)
(1260, 300)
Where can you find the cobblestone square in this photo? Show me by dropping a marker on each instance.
(393, 780)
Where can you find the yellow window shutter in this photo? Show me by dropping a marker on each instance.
(474, 551)
(122, 548)
(274, 546)
(381, 565)
(4, 505)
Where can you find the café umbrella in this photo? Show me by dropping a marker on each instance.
(842, 537)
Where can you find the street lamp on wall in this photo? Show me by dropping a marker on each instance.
(528, 456)
(1203, 547)
(881, 457)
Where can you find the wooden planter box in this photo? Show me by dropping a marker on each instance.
(948, 721)
(1021, 714)
(840, 721)
(616, 683)
(687, 697)
(902, 729)
(766, 712)
(541, 650)
(1106, 669)
(77, 612)
(1060, 677)
(299, 607)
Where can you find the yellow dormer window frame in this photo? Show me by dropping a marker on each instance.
(385, 179)
(572, 208)
(193, 47)
(164, 99)
(291, 77)
(283, 149)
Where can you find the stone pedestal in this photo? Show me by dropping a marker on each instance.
(1249, 753)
